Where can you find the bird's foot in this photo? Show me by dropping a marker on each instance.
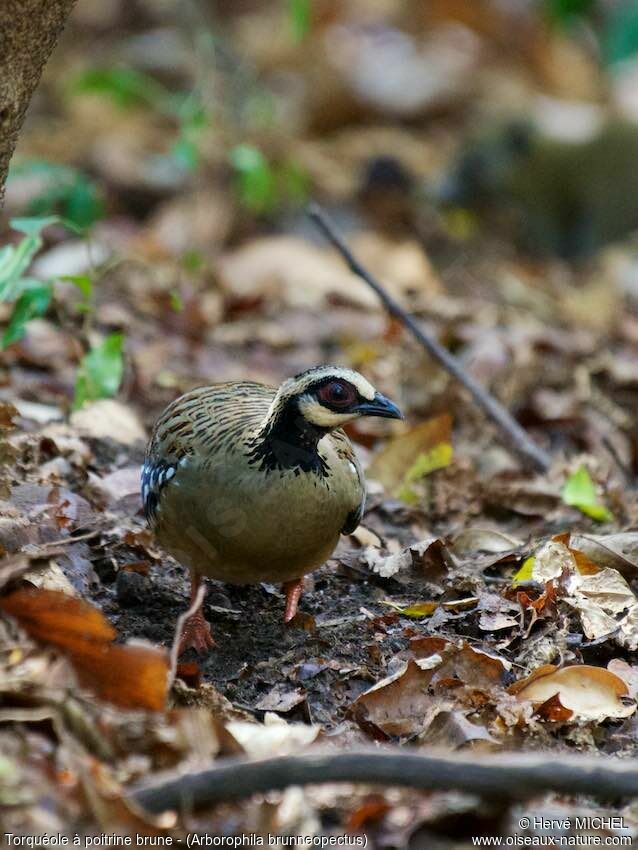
(293, 591)
(196, 635)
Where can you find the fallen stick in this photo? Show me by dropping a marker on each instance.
(531, 453)
(515, 776)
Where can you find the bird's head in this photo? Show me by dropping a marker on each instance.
(328, 397)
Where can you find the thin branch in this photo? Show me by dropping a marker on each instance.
(531, 453)
(625, 469)
(514, 776)
(197, 601)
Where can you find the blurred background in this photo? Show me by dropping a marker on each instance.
(479, 157)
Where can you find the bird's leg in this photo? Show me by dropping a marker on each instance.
(196, 632)
(293, 591)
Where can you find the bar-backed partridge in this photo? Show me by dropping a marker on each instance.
(247, 483)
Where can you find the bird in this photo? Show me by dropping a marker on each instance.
(247, 483)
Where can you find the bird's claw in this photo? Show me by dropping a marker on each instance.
(196, 635)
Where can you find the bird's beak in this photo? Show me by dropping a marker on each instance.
(380, 406)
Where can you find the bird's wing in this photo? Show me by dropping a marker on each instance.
(203, 422)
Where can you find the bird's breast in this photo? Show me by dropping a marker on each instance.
(234, 522)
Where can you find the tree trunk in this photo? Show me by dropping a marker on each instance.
(29, 30)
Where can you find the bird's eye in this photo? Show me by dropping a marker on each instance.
(337, 394)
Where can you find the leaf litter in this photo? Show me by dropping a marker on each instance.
(479, 606)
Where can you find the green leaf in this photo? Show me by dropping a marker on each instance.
(579, 492)
(438, 457)
(176, 301)
(192, 261)
(525, 573)
(82, 281)
(66, 192)
(16, 259)
(256, 179)
(620, 39)
(295, 184)
(566, 11)
(34, 225)
(15, 264)
(417, 610)
(300, 18)
(101, 370)
(185, 153)
(33, 302)
(125, 86)
(80, 203)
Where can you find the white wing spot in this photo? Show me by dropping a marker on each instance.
(170, 472)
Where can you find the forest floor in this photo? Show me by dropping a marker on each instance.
(481, 607)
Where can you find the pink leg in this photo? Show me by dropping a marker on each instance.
(293, 591)
(196, 632)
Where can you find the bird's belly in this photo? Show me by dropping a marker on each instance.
(230, 528)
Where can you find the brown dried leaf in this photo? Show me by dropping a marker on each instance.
(132, 676)
(452, 730)
(618, 551)
(396, 458)
(52, 617)
(591, 693)
(413, 556)
(399, 704)
(554, 711)
(109, 419)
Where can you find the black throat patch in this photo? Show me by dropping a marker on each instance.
(290, 442)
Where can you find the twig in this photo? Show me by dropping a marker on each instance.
(197, 601)
(514, 776)
(625, 469)
(519, 439)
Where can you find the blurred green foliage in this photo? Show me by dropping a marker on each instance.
(263, 186)
(300, 18)
(125, 86)
(256, 183)
(579, 492)
(30, 296)
(66, 192)
(566, 11)
(100, 371)
(620, 39)
(128, 88)
(614, 25)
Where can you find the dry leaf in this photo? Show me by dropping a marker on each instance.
(275, 737)
(108, 418)
(591, 693)
(452, 730)
(388, 565)
(366, 537)
(132, 676)
(441, 676)
(391, 465)
(399, 704)
(618, 551)
(483, 540)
